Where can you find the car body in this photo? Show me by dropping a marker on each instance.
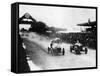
(56, 40)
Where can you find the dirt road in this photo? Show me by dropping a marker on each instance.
(36, 48)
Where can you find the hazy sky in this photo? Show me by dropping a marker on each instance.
(63, 17)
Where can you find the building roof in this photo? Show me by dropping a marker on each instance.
(93, 23)
(26, 19)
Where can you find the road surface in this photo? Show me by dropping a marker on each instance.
(39, 59)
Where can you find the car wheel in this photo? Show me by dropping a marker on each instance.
(49, 50)
(86, 50)
(71, 50)
(63, 52)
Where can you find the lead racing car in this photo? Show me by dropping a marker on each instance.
(56, 48)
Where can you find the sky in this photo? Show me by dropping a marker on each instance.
(61, 17)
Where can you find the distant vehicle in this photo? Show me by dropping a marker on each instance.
(56, 48)
(78, 49)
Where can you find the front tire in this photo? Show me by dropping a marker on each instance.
(71, 49)
(63, 52)
(48, 50)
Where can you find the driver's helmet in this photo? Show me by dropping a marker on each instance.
(78, 41)
(56, 40)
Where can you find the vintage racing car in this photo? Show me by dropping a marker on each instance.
(56, 48)
(78, 49)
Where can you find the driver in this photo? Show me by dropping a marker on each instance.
(78, 43)
(54, 45)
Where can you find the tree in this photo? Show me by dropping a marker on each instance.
(39, 27)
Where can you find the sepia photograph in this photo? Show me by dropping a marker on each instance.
(56, 38)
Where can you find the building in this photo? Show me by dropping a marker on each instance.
(26, 21)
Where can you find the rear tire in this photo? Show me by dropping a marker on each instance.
(86, 50)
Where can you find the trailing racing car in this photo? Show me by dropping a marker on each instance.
(78, 48)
